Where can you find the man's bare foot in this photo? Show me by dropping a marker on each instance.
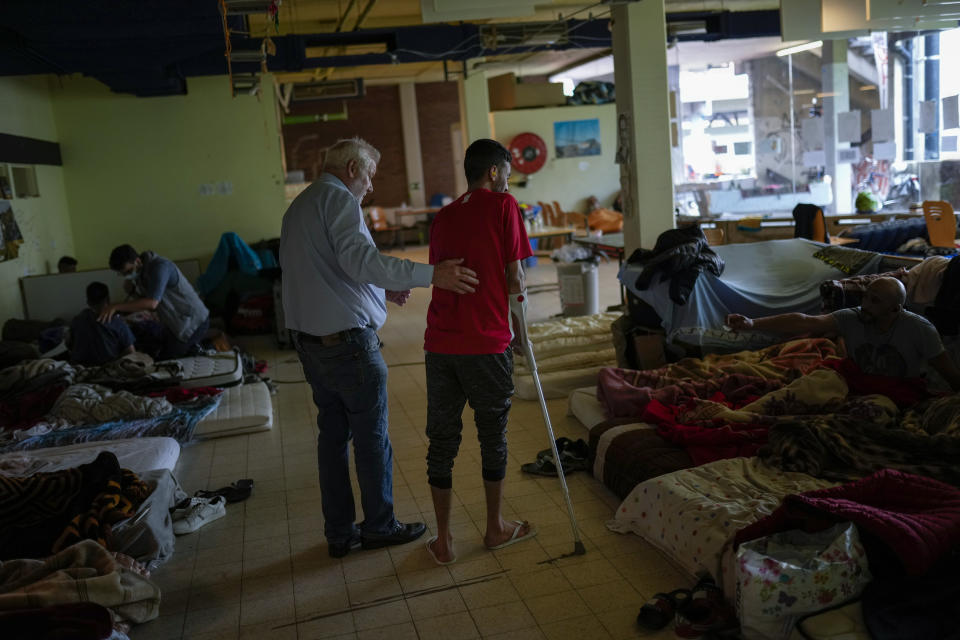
(441, 550)
(508, 533)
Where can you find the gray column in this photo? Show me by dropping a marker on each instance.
(643, 120)
(411, 145)
(836, 99)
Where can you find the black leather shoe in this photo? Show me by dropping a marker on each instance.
(402, 534)
(340, 549)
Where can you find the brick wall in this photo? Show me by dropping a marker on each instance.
(375, 118)
(438, 107)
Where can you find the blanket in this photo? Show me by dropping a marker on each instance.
(84, 404)
(870, 436)
(907, 522)
(742, 376)
(47, 512)
(179, 424)
(132, 372)
(83, 572)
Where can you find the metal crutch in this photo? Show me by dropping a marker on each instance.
(518, 308)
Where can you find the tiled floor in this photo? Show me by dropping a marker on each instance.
(263, 570)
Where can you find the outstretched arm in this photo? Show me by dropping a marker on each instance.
(786, 324)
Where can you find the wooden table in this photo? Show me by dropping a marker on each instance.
(552, 232)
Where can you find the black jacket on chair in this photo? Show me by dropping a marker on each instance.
(680, 255)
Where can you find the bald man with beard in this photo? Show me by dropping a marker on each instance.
(880, 335)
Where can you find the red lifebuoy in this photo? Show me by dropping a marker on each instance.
(529, 152)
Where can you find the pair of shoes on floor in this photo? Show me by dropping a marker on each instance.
(236, 492)
(707, 614)
(401, 534)
(191, 514)
(574, 456)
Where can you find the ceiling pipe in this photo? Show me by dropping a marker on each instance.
(363, 15)
(343, 18)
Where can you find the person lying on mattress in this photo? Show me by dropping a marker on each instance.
(160, 286)
(881, 337)
(467, 342)
(93, 343)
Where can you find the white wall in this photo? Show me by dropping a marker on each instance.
(569, 181)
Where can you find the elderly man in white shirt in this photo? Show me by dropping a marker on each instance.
(335, 287)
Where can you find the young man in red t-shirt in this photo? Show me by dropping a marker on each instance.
(468, 338)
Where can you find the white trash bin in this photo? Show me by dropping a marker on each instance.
(579, 288)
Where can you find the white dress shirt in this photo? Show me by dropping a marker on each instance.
(333, 274)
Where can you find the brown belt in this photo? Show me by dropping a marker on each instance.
(330, 340)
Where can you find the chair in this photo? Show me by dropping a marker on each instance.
(548, 215)
(808, 222)
(378, 225)
(713, 235)
(941, 223)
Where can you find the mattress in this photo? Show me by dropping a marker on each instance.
(693, 514)
(569, 335)
(585, 407)
(243, 409)
(556, 384)
(625, 453)
(136, 454)
(219, 370)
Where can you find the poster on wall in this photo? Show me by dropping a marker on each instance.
(10, 236)
(575, 138)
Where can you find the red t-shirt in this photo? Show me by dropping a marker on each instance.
(486, 230)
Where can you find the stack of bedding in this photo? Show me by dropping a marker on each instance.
(570, 353)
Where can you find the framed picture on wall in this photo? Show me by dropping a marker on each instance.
(575, 138)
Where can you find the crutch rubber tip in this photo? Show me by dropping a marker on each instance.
(579, 549)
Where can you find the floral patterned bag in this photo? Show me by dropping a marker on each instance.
(790, 574)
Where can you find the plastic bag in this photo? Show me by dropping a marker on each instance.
(572, 253)
(786, 575)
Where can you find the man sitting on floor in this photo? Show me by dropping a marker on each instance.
(881, 337)
(467, 342)
(93, 343)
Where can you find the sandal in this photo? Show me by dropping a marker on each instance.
(568, 449)
(236, 492)
(544, 467)
(660, 610)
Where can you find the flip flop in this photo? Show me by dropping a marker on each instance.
(236, 492)
(545, 467)
(435, 558)
(516, 537)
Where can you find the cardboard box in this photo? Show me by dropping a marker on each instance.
(648, 350)
(506, 93)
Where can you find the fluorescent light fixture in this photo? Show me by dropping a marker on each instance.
(586, 71)
(800, 47)
(346, 50)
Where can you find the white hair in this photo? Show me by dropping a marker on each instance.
(342, 152)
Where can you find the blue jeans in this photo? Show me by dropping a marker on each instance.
(349, 383)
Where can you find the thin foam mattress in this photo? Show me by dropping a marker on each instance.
(219, 370)
(243, 409)
(585, 407)
(136, 454)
